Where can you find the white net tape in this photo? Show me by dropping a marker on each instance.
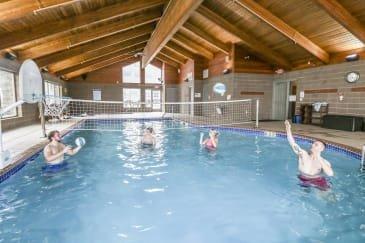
(107, 115)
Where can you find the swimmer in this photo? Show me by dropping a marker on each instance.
(55, 150)
(210, 143)
(310, 164)
(148, 138)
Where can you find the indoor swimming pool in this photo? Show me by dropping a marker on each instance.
(114, 190)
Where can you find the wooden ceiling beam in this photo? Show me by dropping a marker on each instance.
(179, 49)
(88, 35)
(343, 17)
(173, 56)
(47, 29)
(257, 47)
(97, 66)
(167, 60)
(189, 44)
(14, 9)
(195, 30)
(174, 16)
(284, 29)
(125, 52)
(95, 45)
(135, 43)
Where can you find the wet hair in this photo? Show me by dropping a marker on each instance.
(150, 129)
(215, 132)
(323, 143)
(51, 134)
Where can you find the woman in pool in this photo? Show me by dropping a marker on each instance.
(148, 138)
(311, 164)
(210, 143)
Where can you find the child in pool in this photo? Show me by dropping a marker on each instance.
(148, 138)
(210, 143)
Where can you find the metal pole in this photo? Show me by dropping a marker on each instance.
(362, 158)
(257, 112)
(1, 137)
(43, 120)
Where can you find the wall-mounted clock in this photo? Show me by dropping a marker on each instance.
(352, 77)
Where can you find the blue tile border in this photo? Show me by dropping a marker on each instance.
(247, 131)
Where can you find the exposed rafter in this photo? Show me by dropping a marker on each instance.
(95, 45)
(173, 56)
(284, 28)
(13, 9)
(94, 54)
(189, 44)
(48, 29)
(167, 60)
(124, 52)
(195, 30)
(175, 15)
(179, 49)
(92, 34)
(260, 49)
(97, 66)
(344, 17)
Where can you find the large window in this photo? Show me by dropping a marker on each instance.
(132, 73)
(131, 98)
(52, 89)
(153, 99)
(7, 92)
(153, 74)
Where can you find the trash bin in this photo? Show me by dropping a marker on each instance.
(297, 119)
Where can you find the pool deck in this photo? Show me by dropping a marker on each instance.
(354, 140)
(25, 141)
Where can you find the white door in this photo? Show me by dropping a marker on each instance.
(280, 101)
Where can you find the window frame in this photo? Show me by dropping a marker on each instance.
(127, 104)
(14, 94)
(139, 73)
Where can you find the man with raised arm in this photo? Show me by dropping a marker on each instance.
(55, 150)
(310, 164)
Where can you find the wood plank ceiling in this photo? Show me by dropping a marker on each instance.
(73, 37)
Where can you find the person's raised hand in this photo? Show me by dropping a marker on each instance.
(287, 124)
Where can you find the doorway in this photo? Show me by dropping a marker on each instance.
(280, 100)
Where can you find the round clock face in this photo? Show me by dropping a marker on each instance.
(352, 77)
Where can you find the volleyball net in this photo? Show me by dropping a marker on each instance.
(75, 114)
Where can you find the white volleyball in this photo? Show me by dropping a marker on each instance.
(80, 141)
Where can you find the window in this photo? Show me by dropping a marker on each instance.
(148, 98)
(132, 73)
(52, 90)
(96, 94)
(131, 98)
(153, 99)
(153, 74)
(7, 92)
(156, 99)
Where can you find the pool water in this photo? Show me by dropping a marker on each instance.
(115, 191)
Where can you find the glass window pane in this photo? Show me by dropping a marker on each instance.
(131, 73)
(7, 92)
(148, 98)
(156, 98)
(153, 74)
(131, 98)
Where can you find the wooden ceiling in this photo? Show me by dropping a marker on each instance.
(73, 37)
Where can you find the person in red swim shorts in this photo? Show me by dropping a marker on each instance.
(311, 165)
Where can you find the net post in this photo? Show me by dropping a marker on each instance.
(257, 113)
(43, 121)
